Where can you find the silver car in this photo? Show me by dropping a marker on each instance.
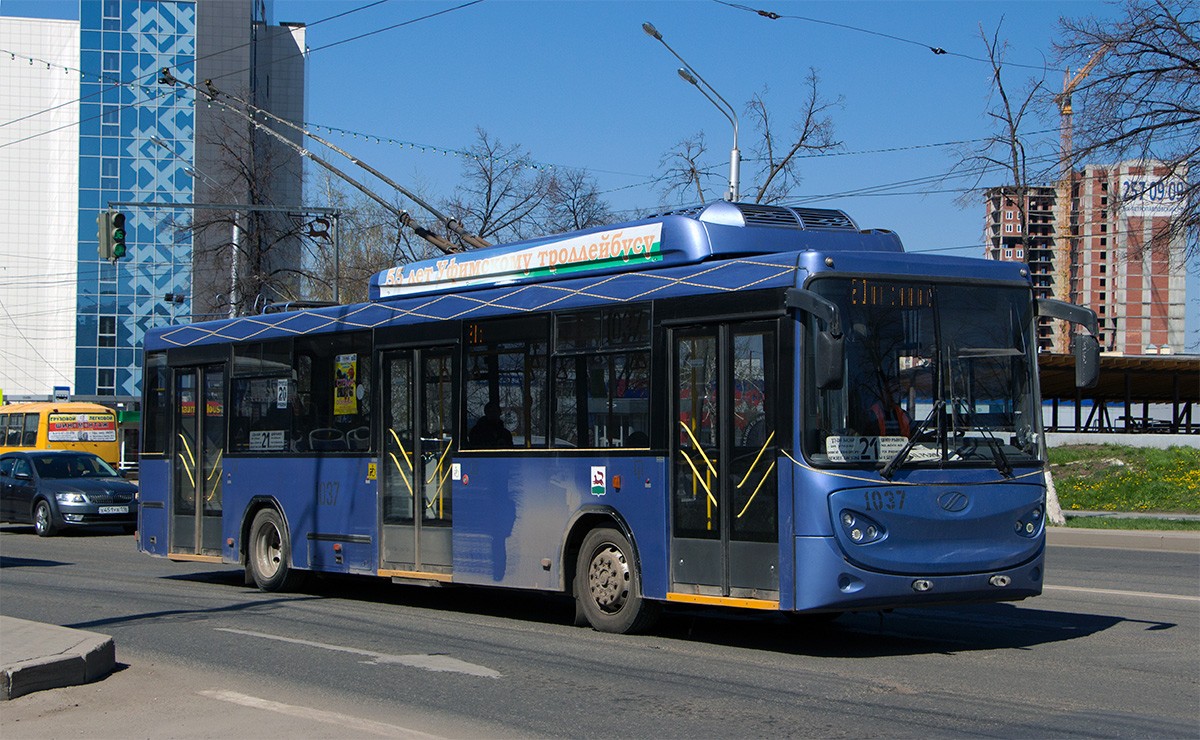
(58, 489)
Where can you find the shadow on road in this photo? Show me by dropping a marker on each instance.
(937, 630)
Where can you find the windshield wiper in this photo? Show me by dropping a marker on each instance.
(887, 470)
(994, 445)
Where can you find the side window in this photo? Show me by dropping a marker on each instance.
(22, 467)
(12, 436)
(602, 378)
(156, 399)
(505, 383)
(332, 411)
(6, 466)
(264, 397)
(29, 435)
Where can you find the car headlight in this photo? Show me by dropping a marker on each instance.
(70, 498)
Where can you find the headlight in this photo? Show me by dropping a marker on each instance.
(70, 498)
(862, 530)
(1029, 525)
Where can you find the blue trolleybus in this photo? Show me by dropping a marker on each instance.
(734, 405)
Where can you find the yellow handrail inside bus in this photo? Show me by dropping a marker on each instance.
(187, 468)
(403, 451)
(760, 485)
(698, 446)
(756, 459)
(400, 470)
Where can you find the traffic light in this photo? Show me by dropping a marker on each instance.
(104, 234)
(118, 235)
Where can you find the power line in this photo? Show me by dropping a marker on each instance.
(138, 84)
(937, 50)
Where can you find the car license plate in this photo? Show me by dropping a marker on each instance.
(114, 509)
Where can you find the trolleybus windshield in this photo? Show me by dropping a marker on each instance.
(935, 374)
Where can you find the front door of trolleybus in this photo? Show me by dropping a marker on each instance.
(725, 529)
(414, 479)
(196, 462)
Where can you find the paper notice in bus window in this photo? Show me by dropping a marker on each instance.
(345, 401)
(273, 439)
(862, 449)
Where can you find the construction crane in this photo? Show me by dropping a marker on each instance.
(1065, 256)
(1063, 100)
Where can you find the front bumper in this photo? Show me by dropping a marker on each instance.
(826, 581)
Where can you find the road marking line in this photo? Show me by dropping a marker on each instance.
(437, 663)
(345, 721)
(1113, 592)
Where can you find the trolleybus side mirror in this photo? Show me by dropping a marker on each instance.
(1084, 346)
(1087, 360)
(829, 344)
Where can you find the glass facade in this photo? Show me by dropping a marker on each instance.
(135, 145)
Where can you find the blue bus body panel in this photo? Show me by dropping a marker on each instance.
(512, 513)
(325, 501)
(154, 514)
(922, 537)
(826, 581)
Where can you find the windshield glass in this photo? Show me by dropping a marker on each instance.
(72, 466)
(935, 374)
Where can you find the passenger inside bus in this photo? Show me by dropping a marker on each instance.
(489, 432)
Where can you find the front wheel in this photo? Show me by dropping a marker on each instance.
(43, 519)
(269, 553)
(608, 586)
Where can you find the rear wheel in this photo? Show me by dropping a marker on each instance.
(269, 553)
(43, 519)
(608, 586)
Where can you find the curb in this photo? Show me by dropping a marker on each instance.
(69, 657)
(1188, 542)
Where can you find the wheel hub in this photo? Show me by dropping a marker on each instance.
(608, 579)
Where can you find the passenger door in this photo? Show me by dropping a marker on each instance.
(725, 509)
(198, 450)
(419, 433)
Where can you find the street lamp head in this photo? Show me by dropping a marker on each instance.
(157, 141)
(650, 30)
(688, 77)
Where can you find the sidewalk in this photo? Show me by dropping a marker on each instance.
(36, 656)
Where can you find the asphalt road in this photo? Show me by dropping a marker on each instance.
(1112, 649)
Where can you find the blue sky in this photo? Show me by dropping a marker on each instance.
(579, 84)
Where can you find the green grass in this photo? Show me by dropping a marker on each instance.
(1108, 522)
(1126, 479)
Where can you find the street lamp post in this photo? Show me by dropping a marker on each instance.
(690, 75)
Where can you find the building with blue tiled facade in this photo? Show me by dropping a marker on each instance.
(71, 318)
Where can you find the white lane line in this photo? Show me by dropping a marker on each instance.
(1113, 592)
(346, 722)
(437, 663)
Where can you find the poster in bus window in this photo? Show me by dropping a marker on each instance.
(81, 428)
(344, 383)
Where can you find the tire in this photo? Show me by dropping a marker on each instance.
(608, 585)
(43, 519)
(269, 552)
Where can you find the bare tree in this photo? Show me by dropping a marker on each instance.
(573, 202)
(681, 170)
(777, 175)
(1010, 111)
(244, 256)
(1141, 99)
(371, 238)
(501, 192)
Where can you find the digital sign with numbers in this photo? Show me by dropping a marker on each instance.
(867, 292)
